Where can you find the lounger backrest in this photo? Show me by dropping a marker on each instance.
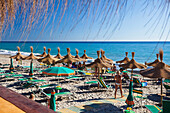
(136, 80)
(166, 86)
(138, 91)
(166, 106)
(102, 83)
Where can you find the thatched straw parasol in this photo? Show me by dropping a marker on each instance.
(18, 56)
(159, 71)
(44, 54)
(132, 64)
(105, 58)
(68, 58)
(154, 63)
(58, 55)
(31, 57)
(98, 63)
(85, 56)
(78, 57)
(48, 59)
(125, 60)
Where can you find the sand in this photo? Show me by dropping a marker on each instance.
(81, 93)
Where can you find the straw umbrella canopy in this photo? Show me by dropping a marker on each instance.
(31, 57)
(68, 58)
(98, 63)
(78, 57)
(154, 63)
(105, 58)
(125, 60)
(44, 54)
(132, 64)
(58, 55)
(68, 49)
(159, 71)
(85, 56)
(48, 59)
(18, 56)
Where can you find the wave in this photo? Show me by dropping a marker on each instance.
(9, 52)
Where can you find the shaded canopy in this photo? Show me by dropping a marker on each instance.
(58, 55)
(154, 63)
(78, 57)
(18, 55)
(159, 71)
(98, 63)
(31, 56)
(58, 71)
(44, 54)
(48, 59)
(85, 56)
(125, 60)
(103, 57)
(68, 58)
(132, 64)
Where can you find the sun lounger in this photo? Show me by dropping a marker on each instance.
(73, 78)
(167, 87)
(157, 109)
(59, 94)
(103, 84)
(11, 76)
(153, 108)
(138, 81)
(89, 83)
(140, 97)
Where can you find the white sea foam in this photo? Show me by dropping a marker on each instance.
(9, 52)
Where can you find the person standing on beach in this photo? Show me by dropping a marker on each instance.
(118, 83)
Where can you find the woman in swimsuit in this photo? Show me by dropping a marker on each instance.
(118, 83)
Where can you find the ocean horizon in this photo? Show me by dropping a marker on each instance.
(145, 51)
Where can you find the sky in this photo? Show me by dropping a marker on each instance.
(132, 27)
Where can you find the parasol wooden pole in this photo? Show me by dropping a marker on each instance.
(98, 76)
(161, 92)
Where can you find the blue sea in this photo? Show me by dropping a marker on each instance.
(144, 51)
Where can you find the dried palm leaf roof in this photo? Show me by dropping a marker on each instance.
(104, 57)
(68, 58)
(125, 60)
(18, 55)
(85, 56)
(154, 63)
(35, 13)
(44, 54)
(31, 56)
(78, 57)
(159, 71)
(48, 59)
(132, 64)
(58, 55)
(98, 63)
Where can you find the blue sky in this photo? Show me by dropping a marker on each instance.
(132, 28)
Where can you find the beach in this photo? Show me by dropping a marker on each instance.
(81, 93)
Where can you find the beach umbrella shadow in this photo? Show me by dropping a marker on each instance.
(100, 107)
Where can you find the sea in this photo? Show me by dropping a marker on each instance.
(115, 50)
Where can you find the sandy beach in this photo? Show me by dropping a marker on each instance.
(81, 93)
